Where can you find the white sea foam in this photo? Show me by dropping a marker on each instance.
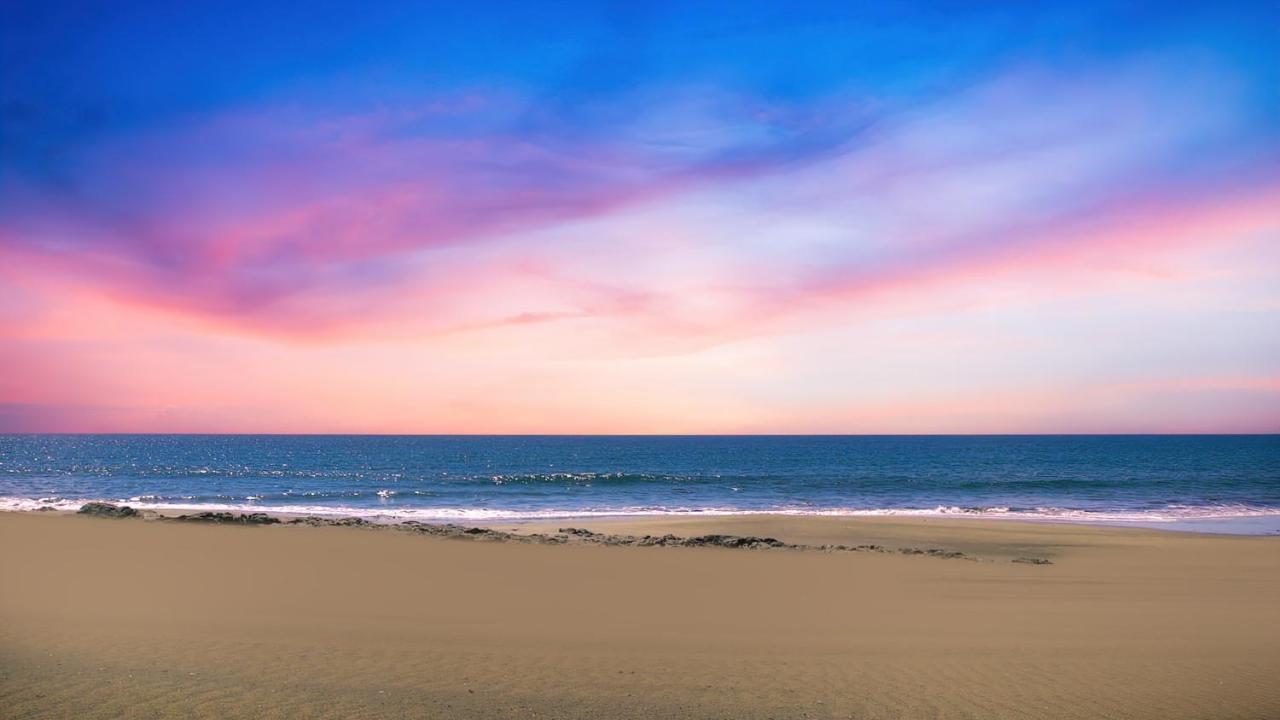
(16, 504)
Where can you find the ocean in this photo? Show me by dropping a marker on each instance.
(1210, 482)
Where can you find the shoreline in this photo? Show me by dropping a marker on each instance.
(728, 533)
(959, 537)
(1255, 522)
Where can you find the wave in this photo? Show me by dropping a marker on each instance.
(1166, 514)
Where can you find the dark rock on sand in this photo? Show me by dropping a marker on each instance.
(450, 530)
(744, 542)
(314, 521)
(101, 509)
(646, 541)
(228, 518)
(931, 552)
(350, 522)
(725, 541)
(1033, 560)
(735, 541)
(852, 548)
(565, 535)
(309, 520)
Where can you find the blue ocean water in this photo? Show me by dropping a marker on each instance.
(1156, 479)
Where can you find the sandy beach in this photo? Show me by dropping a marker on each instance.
(131, 618)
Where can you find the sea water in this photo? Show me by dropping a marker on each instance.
(1219, 482)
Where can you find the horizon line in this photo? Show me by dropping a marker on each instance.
(648, 435)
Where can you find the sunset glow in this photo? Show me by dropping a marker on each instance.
(736, 219)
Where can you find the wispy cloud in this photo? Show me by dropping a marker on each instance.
(628, 198)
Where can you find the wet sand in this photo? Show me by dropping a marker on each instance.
(133, 618)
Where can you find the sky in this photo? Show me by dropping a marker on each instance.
(906, 217)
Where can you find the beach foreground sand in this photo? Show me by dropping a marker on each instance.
(133, 618)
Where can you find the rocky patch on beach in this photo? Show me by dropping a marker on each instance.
(566, 535)
(314, 521)
(744, 542)
(107, 510)
(1032, 561)
(933, 552)
(227, 518)
(463, 532)
(725, 541)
